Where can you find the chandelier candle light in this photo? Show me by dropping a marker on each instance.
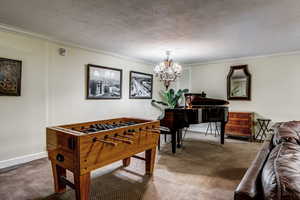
(167, 71)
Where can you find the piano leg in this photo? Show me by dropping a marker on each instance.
(179, 137)
(222, 132)
(173, 135)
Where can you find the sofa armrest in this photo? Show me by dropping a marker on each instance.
(248, 187)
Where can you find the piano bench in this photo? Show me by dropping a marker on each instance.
(163, 130)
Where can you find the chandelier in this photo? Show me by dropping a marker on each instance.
(167, 71)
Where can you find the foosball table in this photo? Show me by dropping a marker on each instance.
(83, 147)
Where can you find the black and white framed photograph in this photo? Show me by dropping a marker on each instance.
(104, 82)
(140, 86)
(10, 77)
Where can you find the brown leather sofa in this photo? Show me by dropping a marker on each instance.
(275, 172)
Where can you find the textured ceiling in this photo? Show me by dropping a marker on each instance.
(195, 30)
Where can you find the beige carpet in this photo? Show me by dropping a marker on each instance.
(203, 169)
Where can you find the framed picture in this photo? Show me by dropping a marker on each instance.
(140, 85)
(104, 82)
(10, 77)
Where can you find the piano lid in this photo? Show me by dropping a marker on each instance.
(197, 99)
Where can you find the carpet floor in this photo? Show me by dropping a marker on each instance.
(201, 170)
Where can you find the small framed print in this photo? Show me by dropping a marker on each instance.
(140, 85)
(103, 82)
(10, 77)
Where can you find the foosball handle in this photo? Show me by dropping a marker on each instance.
(122, 140)
(155, 131)
(104, 141)
(124, 136)
(130, 132)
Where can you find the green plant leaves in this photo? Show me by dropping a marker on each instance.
(170, 98)
(159, 102)
(185, 90)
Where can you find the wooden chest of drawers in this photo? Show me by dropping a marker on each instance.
(240, 124)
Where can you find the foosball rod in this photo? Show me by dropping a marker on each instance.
(104, 141)
(121, 140)
(124, 136)
(151, 130)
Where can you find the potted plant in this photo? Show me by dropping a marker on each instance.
(170, 99)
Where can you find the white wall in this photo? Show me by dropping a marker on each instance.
(53, 92)
(23, 119)
(275, 85)
(184, 82)
(67, 88)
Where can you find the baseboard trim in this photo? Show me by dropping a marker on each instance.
(22, 159)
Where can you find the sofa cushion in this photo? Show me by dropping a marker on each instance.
(286, 132)
(280, 176)
(249, 187)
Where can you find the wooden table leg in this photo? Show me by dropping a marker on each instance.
(82, 185)
(126, 162)
(150, 160)
(58, 171)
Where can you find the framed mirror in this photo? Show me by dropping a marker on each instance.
(239, 83)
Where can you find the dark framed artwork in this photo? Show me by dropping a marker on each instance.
(103, 82)
(140, 85)
(10, 77)
(239, 83)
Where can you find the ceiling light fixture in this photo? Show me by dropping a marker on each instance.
(167, 71)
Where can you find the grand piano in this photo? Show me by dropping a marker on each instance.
(197, 109)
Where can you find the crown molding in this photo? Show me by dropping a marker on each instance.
(229, 60)
(13, 29)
